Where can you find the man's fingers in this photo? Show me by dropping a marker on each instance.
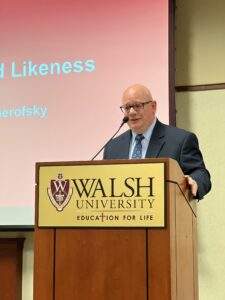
(192, 184)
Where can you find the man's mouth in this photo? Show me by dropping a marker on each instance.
(134, 120)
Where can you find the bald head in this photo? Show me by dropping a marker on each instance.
(139, 106)
(137, 91)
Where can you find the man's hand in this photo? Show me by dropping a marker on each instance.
(193, 186)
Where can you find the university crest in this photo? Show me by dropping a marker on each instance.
(60, 192)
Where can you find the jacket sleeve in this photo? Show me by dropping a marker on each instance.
(192, 164)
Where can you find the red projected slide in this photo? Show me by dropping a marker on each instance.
(63, 68)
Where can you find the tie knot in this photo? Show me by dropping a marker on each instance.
(139, 137)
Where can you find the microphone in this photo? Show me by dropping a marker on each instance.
(125, 120)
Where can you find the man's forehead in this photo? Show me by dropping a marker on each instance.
(135, 98)
(132, 101)
(136, 93)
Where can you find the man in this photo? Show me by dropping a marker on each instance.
(148, 137)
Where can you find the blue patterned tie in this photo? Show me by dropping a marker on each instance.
(137, 152)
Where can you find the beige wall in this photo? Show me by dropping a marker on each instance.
(200, 42)
(28, 264)
(203, 113)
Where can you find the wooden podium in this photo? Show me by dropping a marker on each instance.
(122, 263)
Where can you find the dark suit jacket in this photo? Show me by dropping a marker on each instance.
(168, 141)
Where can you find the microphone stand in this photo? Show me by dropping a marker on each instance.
(125, 120)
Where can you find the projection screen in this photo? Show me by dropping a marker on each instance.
(63, 68)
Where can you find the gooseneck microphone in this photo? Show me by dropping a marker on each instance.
(125, 120)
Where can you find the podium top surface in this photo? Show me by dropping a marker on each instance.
(173, 170)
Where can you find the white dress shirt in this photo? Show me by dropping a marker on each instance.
(145, 142)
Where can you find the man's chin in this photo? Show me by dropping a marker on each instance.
(134, 125)
(136, 129)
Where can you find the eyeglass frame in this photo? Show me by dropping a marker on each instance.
(142, 105)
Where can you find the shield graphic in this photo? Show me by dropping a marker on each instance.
(60, 192)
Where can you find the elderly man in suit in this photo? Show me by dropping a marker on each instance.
(148, 137)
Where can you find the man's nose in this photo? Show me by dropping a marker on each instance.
(132, 110)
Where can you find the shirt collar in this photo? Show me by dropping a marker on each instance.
(147, 134)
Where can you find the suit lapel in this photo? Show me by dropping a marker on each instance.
(157, 140)
(125, 145)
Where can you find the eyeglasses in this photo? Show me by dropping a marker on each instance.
(136, 106)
